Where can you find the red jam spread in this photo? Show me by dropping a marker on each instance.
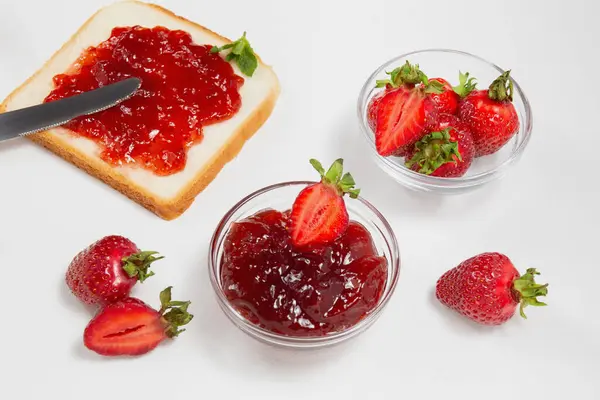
(310, 292)
(184, 87)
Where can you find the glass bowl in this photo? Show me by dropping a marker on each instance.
(446, 64)
(280, 197)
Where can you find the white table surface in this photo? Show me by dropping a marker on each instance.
(544, 214)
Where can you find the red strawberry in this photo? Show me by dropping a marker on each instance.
(131, 327)
(319, 213)
(487, 289)
(106, 271)
(372, 110)
(405, 110)
(491, 115)
(446, 152)
(447, 101)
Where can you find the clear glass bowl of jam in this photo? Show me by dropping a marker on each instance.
(447, 63)
(301, 298)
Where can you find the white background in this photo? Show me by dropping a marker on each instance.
(544, 214)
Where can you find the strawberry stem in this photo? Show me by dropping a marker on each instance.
(343, 183)
(409, 74)
(465, 84)
(528, 290)
(174, 312)
(137, 264)
(433, 151)
(501, 88)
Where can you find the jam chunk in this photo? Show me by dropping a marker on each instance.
(309, 292)
(184, 88)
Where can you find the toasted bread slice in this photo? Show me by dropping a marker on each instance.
(168, 196)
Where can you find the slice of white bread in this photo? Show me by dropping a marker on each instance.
(168, 197)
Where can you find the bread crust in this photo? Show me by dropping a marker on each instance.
(169, 209)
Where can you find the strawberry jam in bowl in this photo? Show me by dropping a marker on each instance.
(444, 121)
(304, 264)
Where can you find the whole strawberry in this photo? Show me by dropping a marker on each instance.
(446, 152)
(319, 214)
(131, 327)
(447, 101)
(106, 271)
(491, 115)
(487, 289)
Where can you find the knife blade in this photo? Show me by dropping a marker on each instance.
(49, 115)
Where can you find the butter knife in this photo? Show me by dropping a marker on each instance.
(49, 115)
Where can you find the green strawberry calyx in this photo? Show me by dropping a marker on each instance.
(174, 313)
(501, 88)
(335, 177)
(433, 151)
(528, 290)
(410, 74)
(465, 85)
(136, 265)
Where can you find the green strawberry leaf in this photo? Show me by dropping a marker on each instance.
(317, 165)
(165, 297)
(379, 83)
(501, 89)
(433, 87)
(465, 84)
(137, 264)
(334, 174)
(344, 183)
(433, 151)
(175, 313)
(529, 290)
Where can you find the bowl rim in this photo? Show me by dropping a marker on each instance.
(297, 341)
(434, 180)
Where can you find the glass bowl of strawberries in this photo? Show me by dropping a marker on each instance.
(444, 121)
(304, 264)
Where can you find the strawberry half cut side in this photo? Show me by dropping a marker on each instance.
(319, 213)
(131, 327)
(405, 110)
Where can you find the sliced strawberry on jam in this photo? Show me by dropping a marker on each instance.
(130, 327)
(406, 109)
(319, 213)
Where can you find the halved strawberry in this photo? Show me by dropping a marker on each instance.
(405, 110)
(372, 110)
(131, 327)
(319, 213)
